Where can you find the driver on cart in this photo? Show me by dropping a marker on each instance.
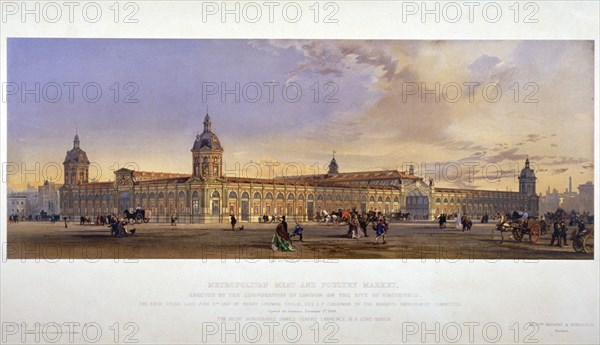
(525, 220)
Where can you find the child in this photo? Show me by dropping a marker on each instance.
(380, 231)
(298, 231)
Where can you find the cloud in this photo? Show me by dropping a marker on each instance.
(484, 64)
(337, 58)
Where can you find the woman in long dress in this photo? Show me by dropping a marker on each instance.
(281, 240)
(458, 222)
(357, 231)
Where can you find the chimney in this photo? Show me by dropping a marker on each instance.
(570, 185)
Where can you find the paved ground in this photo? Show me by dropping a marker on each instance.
(406, 240)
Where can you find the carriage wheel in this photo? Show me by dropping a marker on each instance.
(517, 234)
(534, 233)
(146, 220)
(138, 218)
(578, 245)
(588, 244)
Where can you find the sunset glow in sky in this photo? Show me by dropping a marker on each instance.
(477, 109)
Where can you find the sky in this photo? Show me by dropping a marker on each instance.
(465, 113)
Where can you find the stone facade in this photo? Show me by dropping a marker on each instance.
(206, 196)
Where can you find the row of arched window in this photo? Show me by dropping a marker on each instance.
(320, 197)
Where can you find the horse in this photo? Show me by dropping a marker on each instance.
(502, 226)
(400, 216)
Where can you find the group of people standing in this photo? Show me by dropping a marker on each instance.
(14, 218)
(358, 224)
(462, 222)
(357, 228)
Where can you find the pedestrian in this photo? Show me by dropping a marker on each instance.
(442, 221)
(281, 239)
(297, 231)
(363, 224)
(65, 218)
(173, 219)
(557, 233)
(233, 222)
(380, 230)
(357, 230)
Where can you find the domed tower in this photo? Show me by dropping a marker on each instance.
(333, 166)
(527, 180)
(76, 165)
(207, 153)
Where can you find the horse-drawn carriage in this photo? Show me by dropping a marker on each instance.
(519, 228)
(583, 241)
(138, 216)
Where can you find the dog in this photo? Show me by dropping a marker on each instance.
(241, 228)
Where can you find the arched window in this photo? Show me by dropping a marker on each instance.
(290, 196)
(338, 197)
(438, 200)
(256, 195)
(387, 199)
(372, 198)
(310, 197)
(329, 197)
(245, 195)
(279, 196)
(216, 203)
(380, 199)
(232, 195)
(195, 202)
(269, 196)
(300, 197)
(320, 197)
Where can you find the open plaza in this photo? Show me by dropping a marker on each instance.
(417, 240)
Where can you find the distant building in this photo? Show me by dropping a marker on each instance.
(569, 200)
(17, 204)
(549, 202)
(48, 199)
(586, 197)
